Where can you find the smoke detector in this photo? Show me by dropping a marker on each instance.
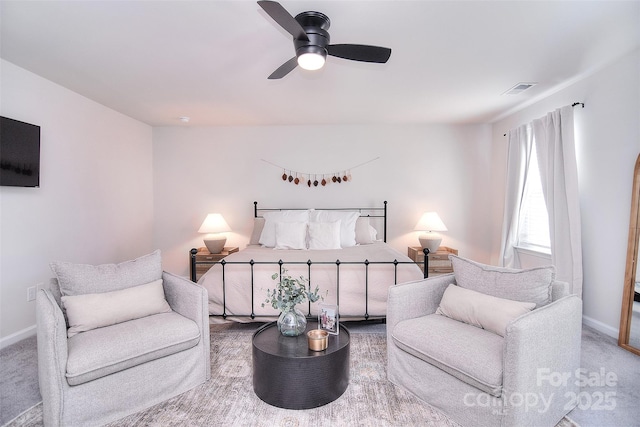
(519, 88)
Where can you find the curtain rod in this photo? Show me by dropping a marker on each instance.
(573, 105)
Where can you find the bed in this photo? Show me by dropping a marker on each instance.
(342, 251)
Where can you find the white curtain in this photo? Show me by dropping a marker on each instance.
(518, 160)
(555, 145)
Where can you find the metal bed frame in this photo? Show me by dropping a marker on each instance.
(379, 212)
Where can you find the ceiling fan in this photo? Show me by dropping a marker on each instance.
(311, 41)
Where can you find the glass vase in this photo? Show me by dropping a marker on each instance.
(292, 323)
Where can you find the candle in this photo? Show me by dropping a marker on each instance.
(318, 339)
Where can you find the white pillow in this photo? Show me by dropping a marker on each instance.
(374, 233)
(481, 310)
(347, 224)
(365, 233)
(291, 235)
(324, 235)
(268, 235)
(91, 311)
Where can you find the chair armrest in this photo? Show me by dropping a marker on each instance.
(415, 299)
(544, 342)
(52, 352)
(186, 298)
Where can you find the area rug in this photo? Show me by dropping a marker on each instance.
(228, 398)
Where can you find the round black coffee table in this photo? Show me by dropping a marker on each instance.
(288, 375)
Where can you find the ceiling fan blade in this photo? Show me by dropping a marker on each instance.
(284, 19)
(360, 52)
(284, 69)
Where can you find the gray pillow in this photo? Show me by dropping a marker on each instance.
(91, 311)
(258, 226)
(80, 279)
(484, 311)
(532, 285)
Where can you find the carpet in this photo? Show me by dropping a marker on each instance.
(228, 398)
(19, 387)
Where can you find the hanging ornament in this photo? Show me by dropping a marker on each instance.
(325, 179)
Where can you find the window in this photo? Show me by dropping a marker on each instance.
(533, 229)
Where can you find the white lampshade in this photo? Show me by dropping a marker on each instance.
(214, 224)
(430, 223)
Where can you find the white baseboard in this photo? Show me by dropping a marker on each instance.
(601, 327)
(17, 336)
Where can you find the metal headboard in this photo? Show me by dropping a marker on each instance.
(369, 212)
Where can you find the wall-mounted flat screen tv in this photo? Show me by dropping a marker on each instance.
(19, 153)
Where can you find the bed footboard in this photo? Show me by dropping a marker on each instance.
(280, 265)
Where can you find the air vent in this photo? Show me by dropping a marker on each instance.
(519, 88)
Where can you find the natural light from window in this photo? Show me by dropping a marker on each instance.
(533, 230)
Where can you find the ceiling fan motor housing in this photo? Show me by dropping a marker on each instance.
(315, 24)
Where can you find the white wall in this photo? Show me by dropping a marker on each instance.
(429, 167)
(94, 204)
(104, 183)
(607, 145)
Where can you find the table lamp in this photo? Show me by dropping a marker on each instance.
(430, 223)
(215, 225)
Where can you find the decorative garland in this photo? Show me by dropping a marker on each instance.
(316, 179)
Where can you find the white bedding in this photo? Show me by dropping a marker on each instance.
(351, 296)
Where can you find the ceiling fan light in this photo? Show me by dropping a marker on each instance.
(311, 57)
(311, 61)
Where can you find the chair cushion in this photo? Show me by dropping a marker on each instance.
(532, 285)
(483, 311)
(471, 354)
(91, 311)
(80, 279)
(104, 351)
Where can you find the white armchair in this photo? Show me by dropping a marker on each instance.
(112, 368)
(476, 376)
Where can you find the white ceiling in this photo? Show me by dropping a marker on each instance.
(451, 62)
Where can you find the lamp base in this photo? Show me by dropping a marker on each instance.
(431, 241)
(215, 244)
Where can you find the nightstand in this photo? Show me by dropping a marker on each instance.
(439, 262)
(201, 260)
